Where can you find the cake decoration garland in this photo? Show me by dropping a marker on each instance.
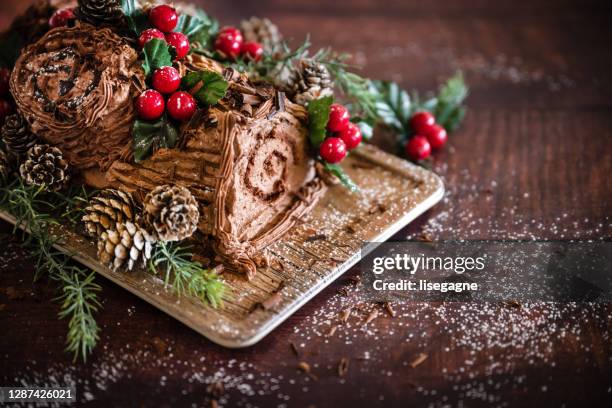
(113, 95)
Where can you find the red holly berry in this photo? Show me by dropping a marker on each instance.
(148, 35)
(420, 122)
(351, 136)
(181, 106)
(5, 75)
(5, 110)
(163, 18)
(232, 33)
(338, 118)
(180, 42)
(333, 150)
(150, 105)
(252, 50)
(436, 136)
(418, 148)
(60, 18)
(228, 44)
(166, 79)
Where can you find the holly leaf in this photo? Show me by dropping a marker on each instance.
(156, 55)
(449, 111)
(150, 136)
(136, 18)
(393, 105)
(206, 86)
(338, 171)
(318, 115)
(10, 48)
(200, 28)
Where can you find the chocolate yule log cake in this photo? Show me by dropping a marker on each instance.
(246, 159)
(183, 135)
(162, 149)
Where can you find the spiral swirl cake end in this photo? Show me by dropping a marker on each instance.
(253, 177)
(75, 86)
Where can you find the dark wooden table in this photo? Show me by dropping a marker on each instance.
(533, 160)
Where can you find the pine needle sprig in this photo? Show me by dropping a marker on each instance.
(271, 66)
(79, 303)
(23, 202)
(185, 276)
(355, 88)
(72, 203)
(29, 205)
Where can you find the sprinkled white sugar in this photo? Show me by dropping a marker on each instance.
(492, 339)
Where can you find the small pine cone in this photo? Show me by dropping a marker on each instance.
(310, 80)
(108, 208)
(172, 212)
(100, 12)
(263, 31)
(16, 134)
(125, 242)
(45, 166)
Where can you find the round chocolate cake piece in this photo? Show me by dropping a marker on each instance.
(75, 87)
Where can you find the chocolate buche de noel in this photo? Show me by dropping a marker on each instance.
(246, 159)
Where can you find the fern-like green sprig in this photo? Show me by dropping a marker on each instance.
(185, 276)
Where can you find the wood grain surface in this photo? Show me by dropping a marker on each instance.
(532, 160)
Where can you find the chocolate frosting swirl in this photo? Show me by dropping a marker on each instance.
(76, 86)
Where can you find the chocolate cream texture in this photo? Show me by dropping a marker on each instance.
(246, 160)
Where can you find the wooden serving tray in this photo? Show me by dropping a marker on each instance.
(393, 192)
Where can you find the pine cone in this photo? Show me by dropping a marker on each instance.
(263, 31)
(108, 208)
(100, 12)
(310, 80)
(125, 242)
(172, 212)
(45, 166)
(16, 134)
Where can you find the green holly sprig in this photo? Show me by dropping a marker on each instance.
(318, 116)
(395, 107)
(208, 87)
(200, 28)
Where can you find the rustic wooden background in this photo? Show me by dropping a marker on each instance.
(533, 160)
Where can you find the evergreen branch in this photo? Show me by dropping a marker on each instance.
(355, 88)
(20, 201)
(272, 65)
(72, 203)
(185, 276)
(79, 302)
(79, 292)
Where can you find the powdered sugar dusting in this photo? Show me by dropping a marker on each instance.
(494, 348)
